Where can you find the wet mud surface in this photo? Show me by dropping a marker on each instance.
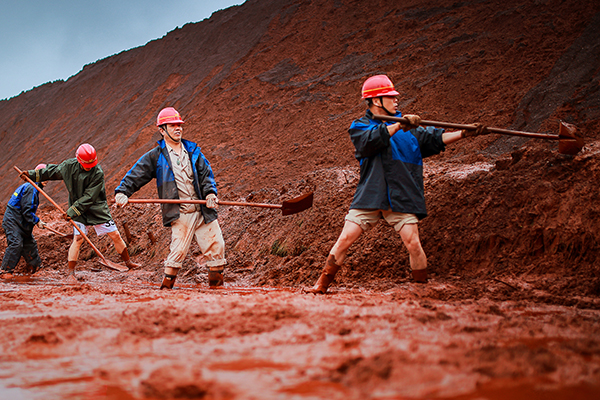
(115, 336)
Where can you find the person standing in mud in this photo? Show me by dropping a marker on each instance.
(391, 177)
(18, 222)
(181, 172)
(84, 180)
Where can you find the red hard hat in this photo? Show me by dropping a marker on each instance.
(86, 155)
(378, 85)
(168, 115)
(41, 166)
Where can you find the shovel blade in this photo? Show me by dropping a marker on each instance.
(297, 205)
(568, 142)
(113, 265)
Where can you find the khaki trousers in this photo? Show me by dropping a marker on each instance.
(208, 236)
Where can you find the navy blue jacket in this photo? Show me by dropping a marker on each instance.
(156, 164)
(391, 168)
(22, 206)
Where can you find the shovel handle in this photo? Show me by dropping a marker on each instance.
(221, 202)
(470, 127)
(288, 207)
(26, 178)
(55, 231)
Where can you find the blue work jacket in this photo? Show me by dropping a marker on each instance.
(156, 164)
(23, 204)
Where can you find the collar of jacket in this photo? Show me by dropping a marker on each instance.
(190, 147)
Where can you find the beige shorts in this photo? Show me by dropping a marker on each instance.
(367, 219)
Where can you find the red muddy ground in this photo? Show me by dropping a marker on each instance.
(512, 308)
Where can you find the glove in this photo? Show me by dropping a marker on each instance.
(212, 201)
(41, 224)
(480, 129)
(121, 199)
(413, 122)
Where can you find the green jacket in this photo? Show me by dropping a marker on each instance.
(87, 195)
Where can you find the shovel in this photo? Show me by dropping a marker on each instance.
(288, 207)
(103, 260)
(568, 142)
(65, 235)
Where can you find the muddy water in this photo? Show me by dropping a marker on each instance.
(127, 340)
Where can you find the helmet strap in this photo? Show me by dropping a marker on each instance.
(164, 127)
(382, 106)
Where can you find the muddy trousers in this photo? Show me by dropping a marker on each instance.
(209, 238)
(20, 243)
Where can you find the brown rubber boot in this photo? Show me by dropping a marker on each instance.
(168, 282)
(71, 278)
(420, 275)
(130, 264)
(215, 276)
(4, 274)
(331, 268)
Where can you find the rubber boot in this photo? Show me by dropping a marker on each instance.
(331, 268)
(130, 264)
(71, 278)
(215, 276)
(420, 275)
(4, 274)
(168, 282)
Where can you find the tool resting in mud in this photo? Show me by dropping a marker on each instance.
(181, 172)
(18, 222)
(84, 180)
(391, 176)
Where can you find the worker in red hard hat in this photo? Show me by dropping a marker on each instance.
(84, 180)
(18, 222)
(181, 172)
(391, 176)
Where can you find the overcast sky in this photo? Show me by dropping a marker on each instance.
(46, 40)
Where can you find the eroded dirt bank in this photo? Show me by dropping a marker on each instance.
(524, 331)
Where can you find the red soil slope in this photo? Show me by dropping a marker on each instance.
(268, 89)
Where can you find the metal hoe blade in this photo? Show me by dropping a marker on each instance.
(113, 265)
(297, 205)
(568, 142)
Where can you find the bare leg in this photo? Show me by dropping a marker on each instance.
(349, 235)
(118, 241)
(74, 248)
(121, 248)
(73, 257)
(418, 260)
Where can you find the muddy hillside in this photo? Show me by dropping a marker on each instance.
(268, 89)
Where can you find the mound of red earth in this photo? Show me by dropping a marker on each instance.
(268, 89)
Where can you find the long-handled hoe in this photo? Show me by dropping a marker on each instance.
(288, 207)
(568, 142)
